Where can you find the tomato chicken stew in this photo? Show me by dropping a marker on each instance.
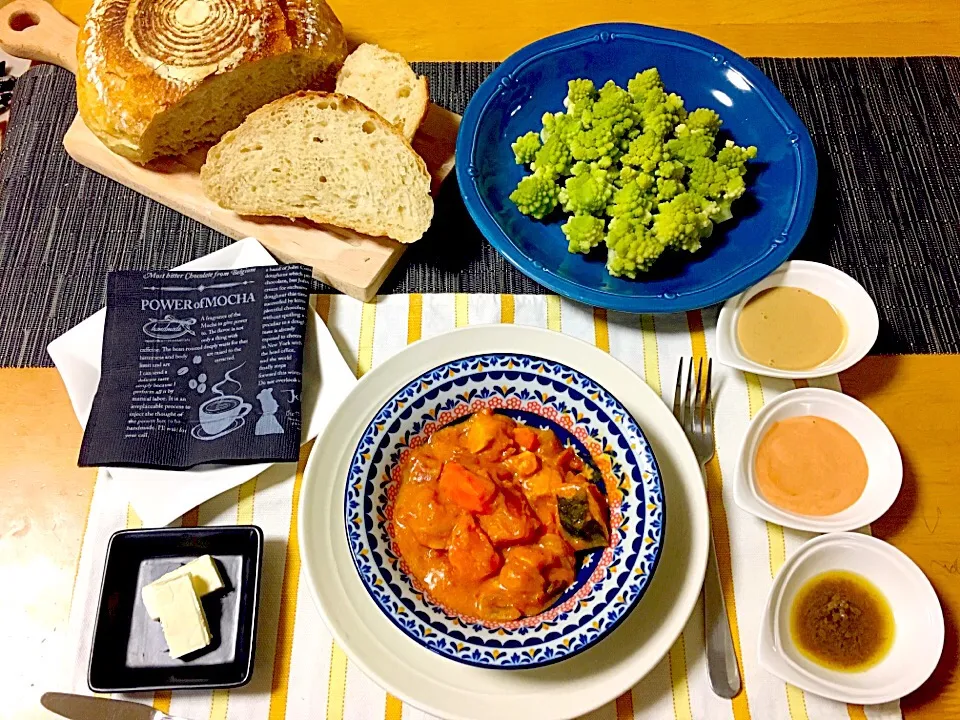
(490, 514)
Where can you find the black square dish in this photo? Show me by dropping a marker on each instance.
(129, 652)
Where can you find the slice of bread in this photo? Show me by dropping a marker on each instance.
(326, 157)
(383, 80)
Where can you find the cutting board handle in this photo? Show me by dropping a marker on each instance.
(33, 30)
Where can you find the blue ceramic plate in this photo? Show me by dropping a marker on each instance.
(539, 392)
(769, 221)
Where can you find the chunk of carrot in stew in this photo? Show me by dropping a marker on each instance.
(470, 553)
(465, 488)
(526, 438)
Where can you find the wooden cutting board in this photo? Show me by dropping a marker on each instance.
(353, 263)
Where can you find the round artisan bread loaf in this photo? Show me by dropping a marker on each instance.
(160, 77)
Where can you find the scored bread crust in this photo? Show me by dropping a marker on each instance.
(138, 59)
(376, 227)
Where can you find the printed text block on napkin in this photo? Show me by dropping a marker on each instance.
(200, 367)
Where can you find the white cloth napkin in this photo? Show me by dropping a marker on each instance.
(161, 496)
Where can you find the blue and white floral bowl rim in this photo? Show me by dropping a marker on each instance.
(592, 607)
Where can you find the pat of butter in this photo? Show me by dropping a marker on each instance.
(181, 617)
(202, 572)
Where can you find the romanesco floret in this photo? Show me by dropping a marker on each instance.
(721, 180)
(598, 144)
(683, 222)
(578, 91)
(633, 201)
(553, 159)
(625, 176)
(670, 169)
(702, 121)
(631, 248)
(586, 193)
(525, 148)
(645, 152)
(615, 108)
(584, 232)
(668, 188)
(536, 195)
(661, 113)
(642, 83)
(561, 124)
(686, 147)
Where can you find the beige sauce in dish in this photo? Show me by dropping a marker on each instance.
(790, 328)
(810, 466)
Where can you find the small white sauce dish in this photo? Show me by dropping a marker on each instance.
(918, 620)
(884, 464)
(846, 295)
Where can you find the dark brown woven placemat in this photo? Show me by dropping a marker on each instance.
(886, 130)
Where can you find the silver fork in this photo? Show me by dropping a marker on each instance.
(695, 414)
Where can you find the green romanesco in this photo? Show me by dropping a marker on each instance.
(634, 156)
(584, 232)
(625, 175)
(580, 93)
(586, 193)
(683, 222)
(645, 152)
(694, 137)
(634, 200)
(536, 195)
(561, 124)
(641, 84)
(668, 188)
(525, 148)
(721, 180)
(702, 121)
(597, 144)
(687, 148)
(553, 159)
(614, 108)
(661, 112)
(670, 169)
(631, 248)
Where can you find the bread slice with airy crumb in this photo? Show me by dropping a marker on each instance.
(382, 80)
(326, 157)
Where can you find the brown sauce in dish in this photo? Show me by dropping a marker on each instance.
(790, 328)
(841, 621)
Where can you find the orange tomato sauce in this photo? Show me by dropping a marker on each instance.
(490, 514)
(810, 466)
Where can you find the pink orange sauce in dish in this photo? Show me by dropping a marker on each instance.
(809, 465)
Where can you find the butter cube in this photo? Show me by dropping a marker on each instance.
(202, 572)
(181, 616)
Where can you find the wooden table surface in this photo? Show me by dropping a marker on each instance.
(46, 497)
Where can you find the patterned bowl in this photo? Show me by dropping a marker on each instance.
(609, 584)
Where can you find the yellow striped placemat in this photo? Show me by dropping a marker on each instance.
(301, 673)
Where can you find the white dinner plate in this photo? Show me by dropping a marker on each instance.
(161, 496)
(444, 687)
